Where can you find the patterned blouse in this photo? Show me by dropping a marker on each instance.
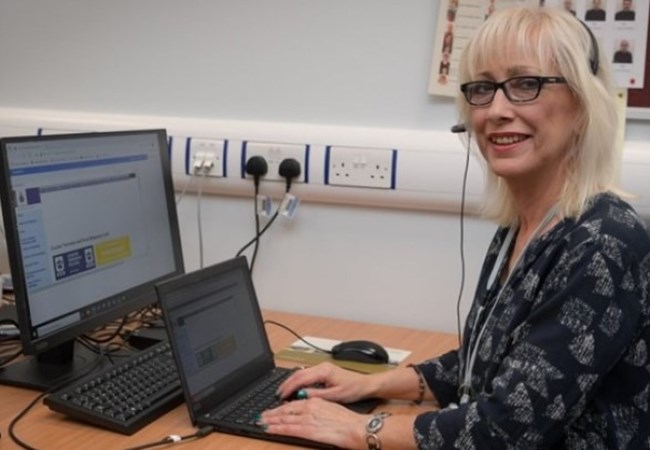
(563, 359)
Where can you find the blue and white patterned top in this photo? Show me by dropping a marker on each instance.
(563, 362)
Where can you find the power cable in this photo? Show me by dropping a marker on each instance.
(289, 169)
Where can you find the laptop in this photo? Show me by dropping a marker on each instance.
(222, 352)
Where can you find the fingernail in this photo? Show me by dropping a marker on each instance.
(302, 394)
(258, 417)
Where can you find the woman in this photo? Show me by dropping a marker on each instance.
(555, 348)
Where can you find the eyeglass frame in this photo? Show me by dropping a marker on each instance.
(503, 85)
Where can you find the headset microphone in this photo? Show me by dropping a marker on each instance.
(458, 128)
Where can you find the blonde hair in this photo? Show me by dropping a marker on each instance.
(557, 38)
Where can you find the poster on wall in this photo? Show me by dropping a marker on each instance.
(620, 26)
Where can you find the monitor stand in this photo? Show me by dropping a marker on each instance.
(55, 368)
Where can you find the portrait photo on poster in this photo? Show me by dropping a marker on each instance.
(619, 26)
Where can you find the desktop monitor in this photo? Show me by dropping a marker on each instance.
(91, 226)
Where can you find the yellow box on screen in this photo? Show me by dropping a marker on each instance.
(113, 250)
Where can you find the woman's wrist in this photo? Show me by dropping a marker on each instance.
(396, 432)
(373, 427)
(357, 433)
(400, 383)
(374, 386)
(421, 386)
(380, 385)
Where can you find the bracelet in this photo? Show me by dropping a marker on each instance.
(420, 398)
(373, 426)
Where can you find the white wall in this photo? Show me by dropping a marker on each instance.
(362, 64)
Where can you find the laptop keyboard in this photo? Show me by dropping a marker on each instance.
(246, 408)
(126, 396)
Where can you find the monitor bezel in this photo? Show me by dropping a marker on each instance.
(134, 298)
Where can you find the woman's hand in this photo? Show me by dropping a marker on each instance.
(329, 382)
(317, 420)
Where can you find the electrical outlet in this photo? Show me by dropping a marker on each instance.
(360, 167)
(206, 157)
(274, 154)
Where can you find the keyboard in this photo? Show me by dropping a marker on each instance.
(246, 408)
(126, 396)
(263, 396)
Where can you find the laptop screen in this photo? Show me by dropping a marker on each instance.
(216, 325)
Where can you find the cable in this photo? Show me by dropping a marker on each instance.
(185, 189)
(150, 317)
(6, 360)
(257, 167)
(103, 352)
(315, 347)
(112, 336)
(462, 244)
(289, 169)
(182, 195)
(256, 238)
(9, 342)
(198, 215)
(257, 229)
(460, 128)
(202, 168)
(20, 415)
(174, 438)
(40, 396)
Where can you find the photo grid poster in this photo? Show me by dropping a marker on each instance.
(620, 26)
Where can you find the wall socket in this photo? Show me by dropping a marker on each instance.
(274, 154)
(206, 157)
(360, 167)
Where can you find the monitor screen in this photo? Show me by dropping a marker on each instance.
(91, 226)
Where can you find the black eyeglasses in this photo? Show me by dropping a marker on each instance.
(517, 89)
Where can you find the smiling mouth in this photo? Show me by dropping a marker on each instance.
(507, 140)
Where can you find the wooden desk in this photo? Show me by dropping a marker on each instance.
(44, 429)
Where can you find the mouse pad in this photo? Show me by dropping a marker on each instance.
(302, 353)
(311, 358)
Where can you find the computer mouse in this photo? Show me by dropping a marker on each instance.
(360, 351)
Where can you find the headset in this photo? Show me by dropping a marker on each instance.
(458, 128)
(594, 59)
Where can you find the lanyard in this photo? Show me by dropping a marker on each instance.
(465, 389)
